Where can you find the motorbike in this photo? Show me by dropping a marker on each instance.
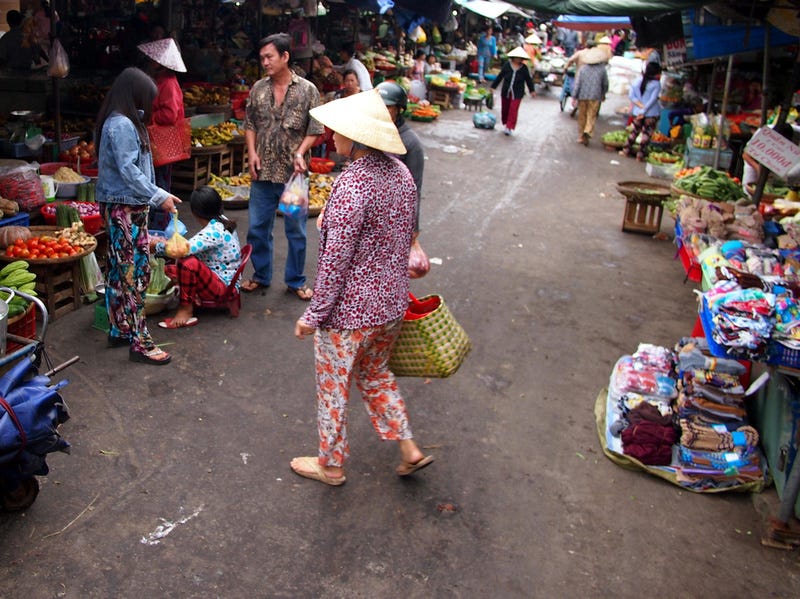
(566, 89)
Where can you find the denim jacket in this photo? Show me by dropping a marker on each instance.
(125, 173)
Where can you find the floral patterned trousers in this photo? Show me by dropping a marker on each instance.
(128, 273)
(363, 354)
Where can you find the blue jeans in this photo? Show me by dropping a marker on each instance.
(262, 207)
(483, 62)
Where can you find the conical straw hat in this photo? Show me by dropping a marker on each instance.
(533, 39)
(363, 118)
(596, 55)
(518, 53)
(165, 52)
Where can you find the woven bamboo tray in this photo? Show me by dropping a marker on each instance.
(48, 230)
(644, 191)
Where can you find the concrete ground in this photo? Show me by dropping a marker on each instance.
(178, 484)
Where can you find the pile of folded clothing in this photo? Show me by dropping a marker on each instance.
(717, 446)
(642, 389)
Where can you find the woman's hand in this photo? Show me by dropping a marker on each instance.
(171, 204)
(301, 329)
(155, 239)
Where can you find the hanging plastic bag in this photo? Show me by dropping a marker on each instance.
(59, 61)
(418, 263)
(418, 35)
(177, 246)
(436, 35)
(294, 199)
(20, 182)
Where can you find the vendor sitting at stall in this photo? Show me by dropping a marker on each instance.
(208, 267)
(432, 65)
(418, 68)
(350, 62)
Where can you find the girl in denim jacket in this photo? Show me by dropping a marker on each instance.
(126, 190)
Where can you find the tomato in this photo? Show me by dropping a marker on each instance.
(73, 251)
(19, 242)
(24, 253)
(49, 252)
(63, 255)
(10, 251)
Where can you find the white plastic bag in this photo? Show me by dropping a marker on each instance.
(59, 61)
(294, 199)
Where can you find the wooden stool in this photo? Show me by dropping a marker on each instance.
(470, 104)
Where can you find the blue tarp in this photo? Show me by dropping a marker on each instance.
(590, 23)
(713, 39)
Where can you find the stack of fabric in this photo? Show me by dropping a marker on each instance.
(741, 319)
(641, 392)
(717, 448)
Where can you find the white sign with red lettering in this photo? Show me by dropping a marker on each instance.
(774, 151)
(675, 53)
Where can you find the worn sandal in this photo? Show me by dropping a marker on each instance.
(251, 285)
(407, 468)
(312, 470)
(304, 293)
(150, 357)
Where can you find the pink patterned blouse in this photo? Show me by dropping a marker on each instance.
(364, 242)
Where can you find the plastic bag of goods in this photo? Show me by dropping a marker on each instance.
(484, 120)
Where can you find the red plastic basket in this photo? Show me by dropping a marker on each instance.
(91, 224)
(22, 325)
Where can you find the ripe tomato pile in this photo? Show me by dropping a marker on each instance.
(42, 248)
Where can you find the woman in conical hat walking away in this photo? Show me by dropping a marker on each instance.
(361, 288)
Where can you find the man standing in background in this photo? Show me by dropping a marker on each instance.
(279, 133)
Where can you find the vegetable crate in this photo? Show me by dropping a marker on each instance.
(22, 325)
(58, 286)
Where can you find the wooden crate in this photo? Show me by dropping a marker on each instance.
(642, 215)
(190, 174)
(441, 98)
(239, 164)
(222, 163)
(58, 286)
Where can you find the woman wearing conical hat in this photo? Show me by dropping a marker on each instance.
(361, 287)
(164, 61)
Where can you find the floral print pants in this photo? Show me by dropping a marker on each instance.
(363, 354)
(128, 273)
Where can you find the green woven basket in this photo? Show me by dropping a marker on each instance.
(433, 345)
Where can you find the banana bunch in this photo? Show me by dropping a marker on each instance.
(196, 95)
(223, 185)
(711, 184)
(319, 189)
(213, 135)
(16, 275)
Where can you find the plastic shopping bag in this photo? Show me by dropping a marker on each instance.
(59, 61)
(418, 263)
(294, 199)
(177, 246)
